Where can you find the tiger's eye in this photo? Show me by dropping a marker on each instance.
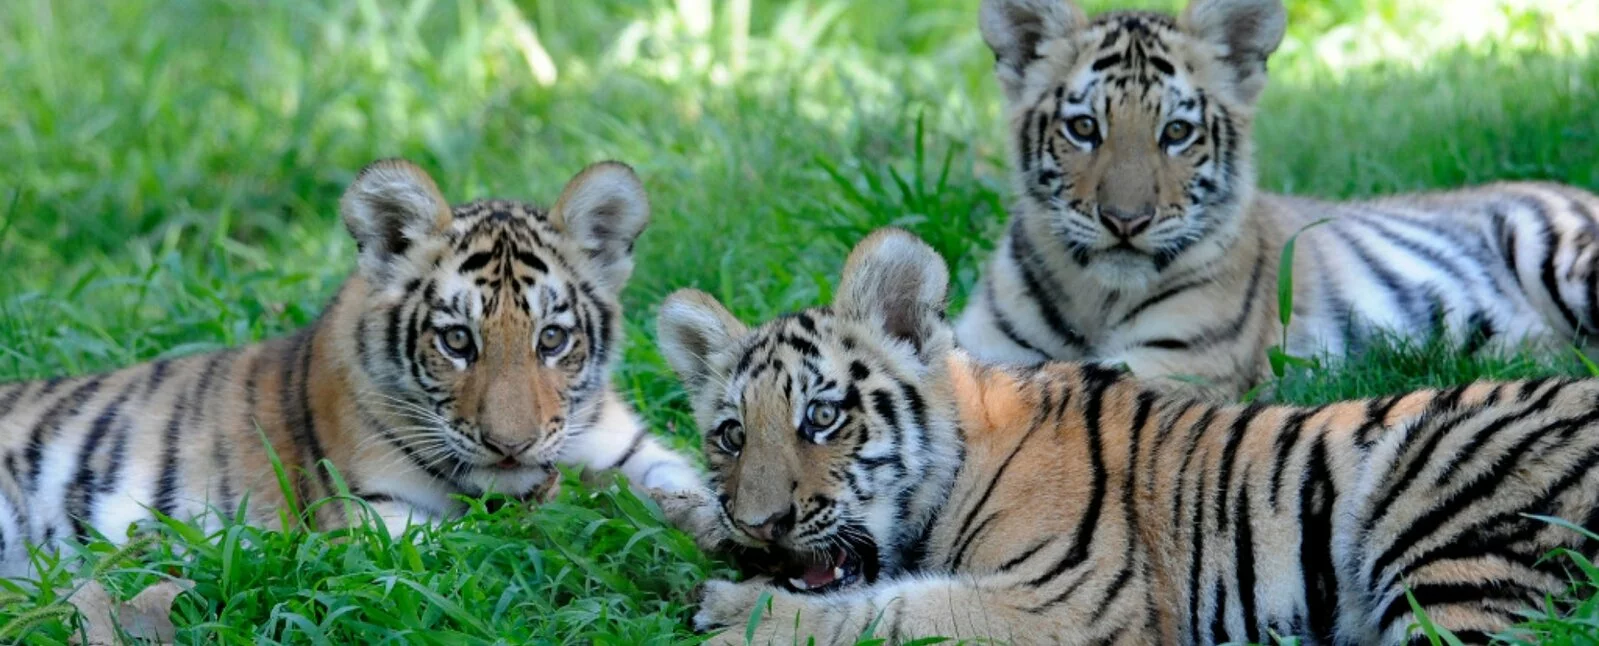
(1084, 127)
(1177, 131)
(731, 436)
(553, 339)
(458, 341)
(821, 414)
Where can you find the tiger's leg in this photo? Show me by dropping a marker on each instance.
(13, 540)
(1183, 374)
(1478, 570)
(988, 334)
(397, 515)
(1444, 516)
(1549, 235)
(1473, 599)
(899, 611)
(620, 441)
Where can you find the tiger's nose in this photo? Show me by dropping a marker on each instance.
(772, 527)
(1125, 224)
(506, 448)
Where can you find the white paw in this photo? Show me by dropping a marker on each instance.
(677, 477)
(694, 512)
(726, 604)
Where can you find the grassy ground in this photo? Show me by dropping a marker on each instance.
(172, 168)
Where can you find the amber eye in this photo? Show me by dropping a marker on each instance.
(553, 339)
(730, 437)
(1176, 132)
(821, 415)
(1084, 128)
(457, 341)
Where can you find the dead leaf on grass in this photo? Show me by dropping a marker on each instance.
(147, 617)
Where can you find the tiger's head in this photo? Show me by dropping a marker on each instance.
(1131, 131)
(829, 432)
(488, 329)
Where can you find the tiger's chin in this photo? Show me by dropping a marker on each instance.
(518, 481)
(1123, 268)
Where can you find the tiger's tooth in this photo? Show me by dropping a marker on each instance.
(838, 574)
(799, 583)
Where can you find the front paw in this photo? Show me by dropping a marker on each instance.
(725, 604)
(696, 514)
(549, 490)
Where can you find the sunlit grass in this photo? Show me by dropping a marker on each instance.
(172, 168)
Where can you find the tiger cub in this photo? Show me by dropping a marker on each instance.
(470, 352)
(1139, 238)
(916, 490)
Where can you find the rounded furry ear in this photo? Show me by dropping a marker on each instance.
(691, 327)
(1245, 32)
(1014, 29)
(390, 207)
(898, 282)
(604, 209)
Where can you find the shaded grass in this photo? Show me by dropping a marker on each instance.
(172, 170)
(592, 565)
(1398, 365)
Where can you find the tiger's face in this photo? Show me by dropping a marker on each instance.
(827, 431)
(1131, 131)
(490, 328)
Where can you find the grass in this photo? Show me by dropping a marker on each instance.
(172, 168)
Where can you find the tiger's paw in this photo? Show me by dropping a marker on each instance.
(1175, 385)
(725, 604)
(695, 512)
(549, 491)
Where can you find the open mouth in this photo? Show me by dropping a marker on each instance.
(508, 464)
(845, 565)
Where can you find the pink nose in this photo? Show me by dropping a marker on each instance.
(1122, 224)
(771, 528)
(505, 447)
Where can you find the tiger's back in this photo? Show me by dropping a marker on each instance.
(906, 485)
(1187, 523)
(179, 435)
(1503, 266)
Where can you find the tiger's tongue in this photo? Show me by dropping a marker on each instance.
(818, 576)
(824, 573)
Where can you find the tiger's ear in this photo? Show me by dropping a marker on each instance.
(1015, 29)
(691, 327)
(604, 209)
(1244, 32)
(898, 283)
(390, 209)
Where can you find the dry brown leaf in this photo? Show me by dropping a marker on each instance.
(147, 617)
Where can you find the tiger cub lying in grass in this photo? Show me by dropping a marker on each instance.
(1139, 237)
(469, 353)
(913, 489)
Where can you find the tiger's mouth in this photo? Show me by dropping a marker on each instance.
(852, 560)
(1122, 248)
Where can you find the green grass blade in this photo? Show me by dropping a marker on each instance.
(1285, 278)
(763, 605)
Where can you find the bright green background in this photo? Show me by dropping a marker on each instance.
(169, 173)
